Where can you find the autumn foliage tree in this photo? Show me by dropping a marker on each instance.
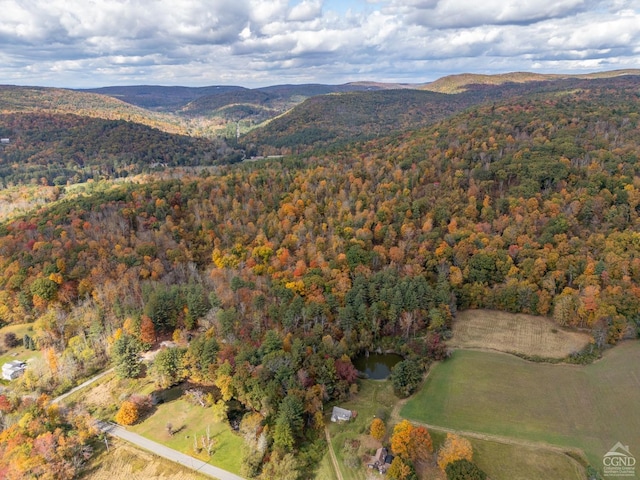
(45, 442)
(401, 438)
(411, 443)
(377, 429)
(401, 470)
(128, 413)
(454, 448)
(147, 330)
(420, 445)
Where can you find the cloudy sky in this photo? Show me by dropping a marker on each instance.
(92, 43)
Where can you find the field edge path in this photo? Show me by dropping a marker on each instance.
(332, 454)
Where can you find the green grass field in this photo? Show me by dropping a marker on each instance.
(515, 462)
(325, 470)
(192, 421)
(500, 461)
(589, 407)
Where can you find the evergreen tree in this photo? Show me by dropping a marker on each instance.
(125, 353)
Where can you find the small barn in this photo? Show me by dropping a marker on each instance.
(14, 369)
(341, 415)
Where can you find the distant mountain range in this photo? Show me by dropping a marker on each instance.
(57, 134)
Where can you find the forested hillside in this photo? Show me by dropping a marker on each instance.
(331, 121)
(53, 149)
(462, 82)
(293, 266)
(15, 99)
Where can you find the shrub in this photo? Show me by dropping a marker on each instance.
(11, 340)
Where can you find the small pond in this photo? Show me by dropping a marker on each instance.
(376, 366)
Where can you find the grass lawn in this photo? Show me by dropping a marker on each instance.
(375, 398)
(192, 421)
(515, 333)
(325, 470)
(589, 407)
(19, 352)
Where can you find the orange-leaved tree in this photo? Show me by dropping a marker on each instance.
(420, 446)
(128, 413)
(401, 438)
(377, 429)
(454, 448)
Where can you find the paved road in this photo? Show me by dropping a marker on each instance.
(81, 386)
(168, 453)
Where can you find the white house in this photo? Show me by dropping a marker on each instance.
(14, 369)
(341, 415)
(4, 140)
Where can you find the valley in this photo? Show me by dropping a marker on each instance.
(487, 235)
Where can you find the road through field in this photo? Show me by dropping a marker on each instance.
(166, 452)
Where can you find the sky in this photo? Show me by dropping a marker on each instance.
(253, 43)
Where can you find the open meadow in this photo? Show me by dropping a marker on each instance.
(587, 407)
(521, 334)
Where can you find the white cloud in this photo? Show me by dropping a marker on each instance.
(257, 42)
(305, 11)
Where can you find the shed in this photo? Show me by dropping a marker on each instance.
(341, 414)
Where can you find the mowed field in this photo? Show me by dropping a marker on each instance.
(515, 333)
(589, 407)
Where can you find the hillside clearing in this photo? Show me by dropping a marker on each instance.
(589, 407)
(515, 333)
(190, 423)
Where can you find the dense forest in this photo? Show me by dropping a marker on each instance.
(283, 270)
